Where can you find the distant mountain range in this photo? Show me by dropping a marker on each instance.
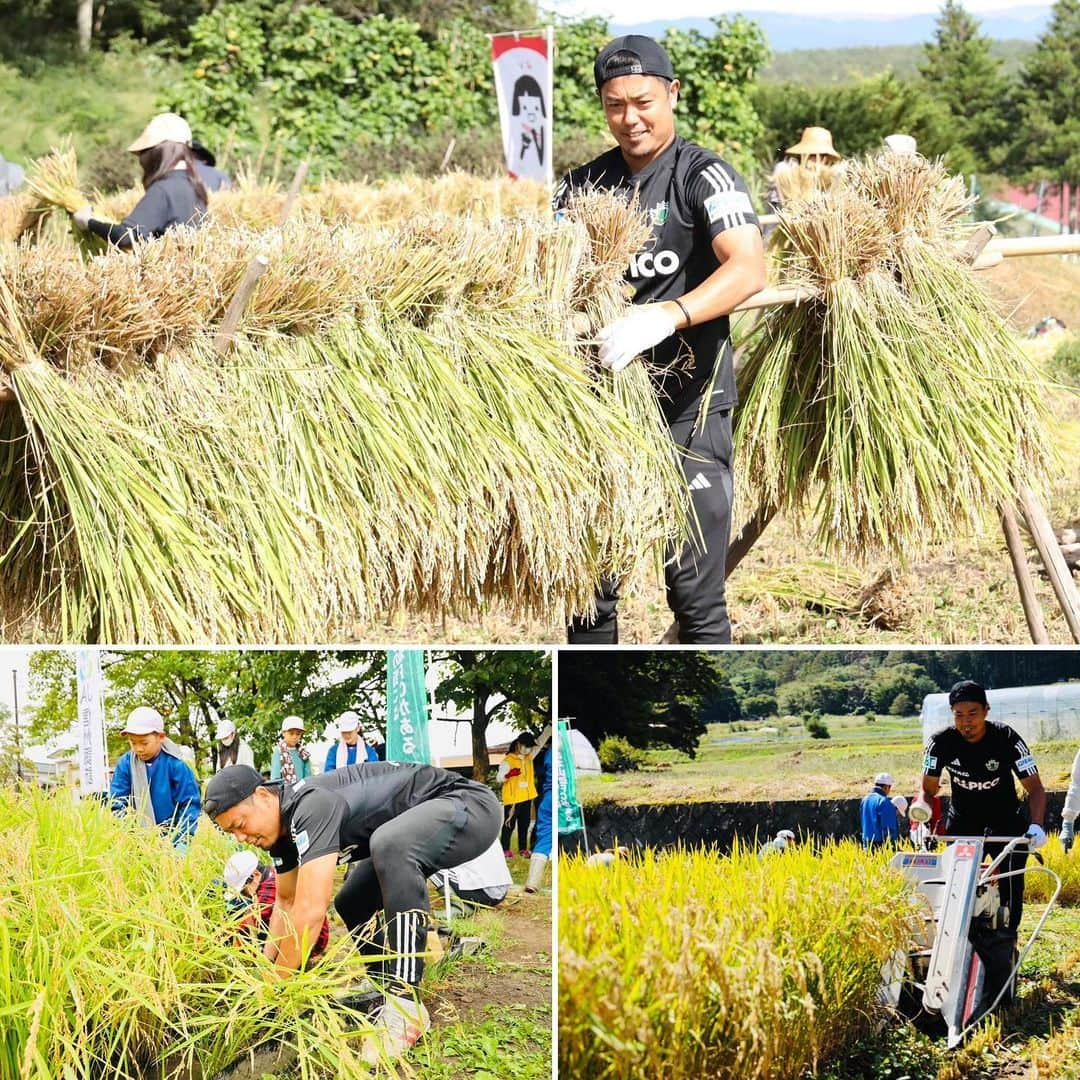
(787, 32)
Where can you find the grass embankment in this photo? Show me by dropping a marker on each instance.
(103, 101)
(755, 765)
(491, 1011)
(690, 965)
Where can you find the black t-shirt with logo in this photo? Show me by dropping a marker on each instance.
(339, 810)
(983, 795)
(691, 195)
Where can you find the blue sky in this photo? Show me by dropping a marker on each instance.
(628, 12)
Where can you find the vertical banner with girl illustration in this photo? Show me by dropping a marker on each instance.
(524, 86)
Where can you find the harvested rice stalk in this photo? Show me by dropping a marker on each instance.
(431, 443)
(895, 410)
(796, 182)
(55, 178)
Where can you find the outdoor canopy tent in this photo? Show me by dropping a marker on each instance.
(1037, 713)
(586, 760)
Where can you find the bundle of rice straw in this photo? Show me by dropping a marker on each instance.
(405, 425)
(259, 205)
(54, 179)
(895, 409)
(795, 182)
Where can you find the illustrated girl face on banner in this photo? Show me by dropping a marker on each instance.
(529, 101)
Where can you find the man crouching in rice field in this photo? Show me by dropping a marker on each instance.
(396, 824)
(982, 756)
(704, 257)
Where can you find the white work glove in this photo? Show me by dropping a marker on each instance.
(1067, 835)
(633, 334)
(82, 217)
(1036, 837)
(920, 811)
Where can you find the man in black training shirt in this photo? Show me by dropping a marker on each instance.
(396, 824)
(982, 756)
(704, 257)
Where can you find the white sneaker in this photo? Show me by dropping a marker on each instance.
(399, 1024)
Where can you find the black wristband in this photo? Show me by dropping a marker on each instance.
(686, 314)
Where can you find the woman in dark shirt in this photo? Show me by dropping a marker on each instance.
(175, 193)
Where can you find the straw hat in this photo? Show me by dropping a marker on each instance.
(901, 144)
(815, 140)
(165, 127)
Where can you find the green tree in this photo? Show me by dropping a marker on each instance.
(515, 683)
(901, 705)
(617, 755)
(860, 114)
(752, 680)
(962, 73)
(891, 680)
(1047, 136)
(255, 688)
(649, 698)
(758, 706)
(716, 73)
(13, 760)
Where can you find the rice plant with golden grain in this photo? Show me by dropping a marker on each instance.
(685, 965)
(118, 959)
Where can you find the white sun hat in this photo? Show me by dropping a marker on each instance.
(348, 721)
(902, 144)
(292, 723)
(165, 127)
(239, 868)
(144, 721)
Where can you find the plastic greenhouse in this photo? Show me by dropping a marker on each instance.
(1038, 713)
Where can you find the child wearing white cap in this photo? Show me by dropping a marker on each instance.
(291, 759)
(350, 748)
(229, 748)
(256, 883)
(154, 779)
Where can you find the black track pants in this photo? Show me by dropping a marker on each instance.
(405, 852)
(695, 579)
(519, 815)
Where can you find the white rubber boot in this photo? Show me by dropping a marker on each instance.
(536, 872)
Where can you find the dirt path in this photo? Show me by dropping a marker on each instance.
(516, 972)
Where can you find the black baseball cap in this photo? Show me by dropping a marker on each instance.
(202, 153)
(232, 785)
(640, 55)
(966, 690)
